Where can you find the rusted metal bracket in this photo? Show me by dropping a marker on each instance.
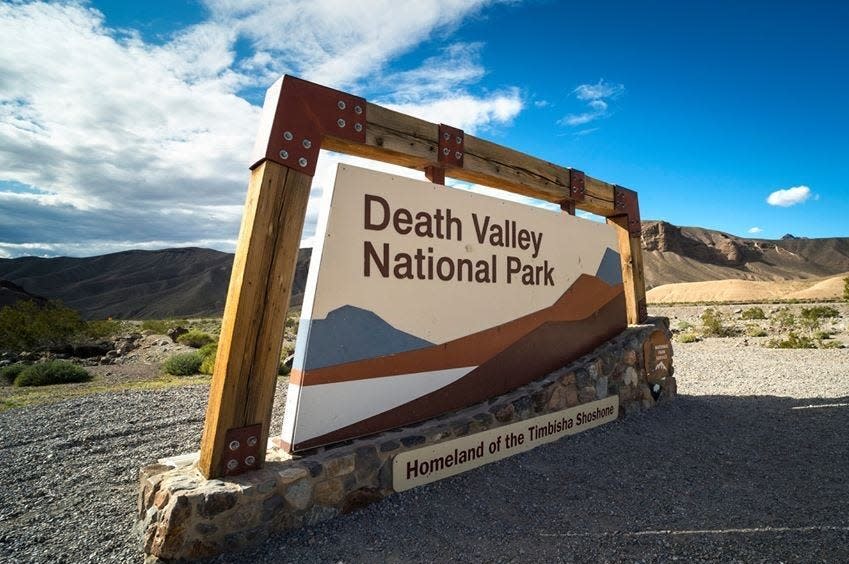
(451, 147)
(435, 174)
(242, 449)
(577, 191)
(577, 188)
(625, 203)
(296, 116)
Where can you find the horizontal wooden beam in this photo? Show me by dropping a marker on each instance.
(401, 139)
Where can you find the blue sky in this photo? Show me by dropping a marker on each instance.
(129, 125)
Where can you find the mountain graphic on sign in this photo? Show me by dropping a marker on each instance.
(350, 333)
(499, 359)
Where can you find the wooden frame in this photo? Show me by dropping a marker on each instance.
(299, 118)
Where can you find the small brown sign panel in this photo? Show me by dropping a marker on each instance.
(657, 355)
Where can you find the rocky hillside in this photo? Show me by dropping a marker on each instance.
(136, 284)
(193, 282)
(674, 254)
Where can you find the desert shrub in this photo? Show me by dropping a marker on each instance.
(103, 329)
(819, 312)
(28, 326)
(685, 326)
(793, 341)
(754, 330)
(161, 326)
(713, 324)
(53, 372)
(822, 335)
(753, 313)
(195, 339)
(687, 337)
(207, 354)
(783, 319)
(9, 373)
(183, 364)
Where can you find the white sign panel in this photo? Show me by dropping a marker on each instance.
(423, 299)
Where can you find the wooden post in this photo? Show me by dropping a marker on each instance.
(631, 256)
(245, 375)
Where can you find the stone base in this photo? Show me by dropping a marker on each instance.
(183, 516)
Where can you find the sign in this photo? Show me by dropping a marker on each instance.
(657, 356)
(435, 462)
(423, 299)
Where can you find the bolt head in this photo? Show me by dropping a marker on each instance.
(234, 445)
(445, 151)
(446, 136)
(458, 155)
(307, 143)
(358, 110)
(459, 139)
(358, 127)
(341, 104)
(287, 135)
(284, 154)
(252, 441)
(302, 161)
(340, 122)
(249, 461)
(232, 464)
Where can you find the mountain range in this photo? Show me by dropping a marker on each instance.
(193, 281)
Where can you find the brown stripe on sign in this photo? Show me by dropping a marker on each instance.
(547, 348)
(582, 298)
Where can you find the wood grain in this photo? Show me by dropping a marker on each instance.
(242, 390)
(631, 255)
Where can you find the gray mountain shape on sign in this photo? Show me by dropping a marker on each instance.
(610, 269)
(350, 333)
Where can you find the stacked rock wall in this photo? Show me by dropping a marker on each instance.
(183, 516)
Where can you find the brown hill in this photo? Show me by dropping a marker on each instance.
(674, 254)
(193, 282)
(136, 284)
(11, 293)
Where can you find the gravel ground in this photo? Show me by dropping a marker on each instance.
(742, 466)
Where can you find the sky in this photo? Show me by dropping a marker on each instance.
(129, 125)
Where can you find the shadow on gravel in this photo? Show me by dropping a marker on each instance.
(702, 478)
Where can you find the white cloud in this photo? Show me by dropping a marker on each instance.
(755, 230)
(132, 145)
(789, 196)
(333, 42)
(597, 97)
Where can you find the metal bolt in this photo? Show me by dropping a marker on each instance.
(302, 161)
(249, 461)
(358, 110)
(458, 155)
(232, 464)
(446, 136)
(287, 135)
(445, 151)
(341, 104)
(251, 441)
(234, 445)
(340, 122)
(284, 154)
(459, 139)
(307, 143)
(358, 127)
